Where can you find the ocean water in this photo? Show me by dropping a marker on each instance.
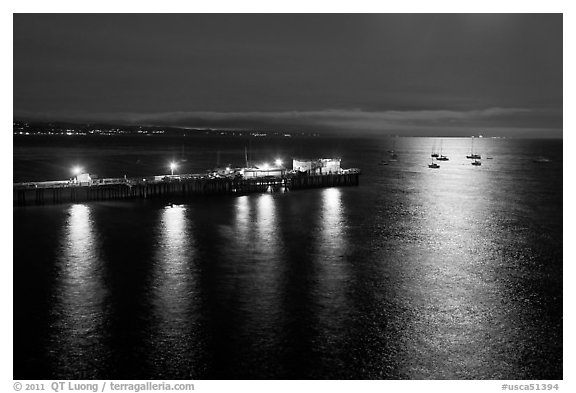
(418, 273)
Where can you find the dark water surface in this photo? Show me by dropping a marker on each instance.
(418, 273)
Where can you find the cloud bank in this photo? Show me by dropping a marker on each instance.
(507, 121)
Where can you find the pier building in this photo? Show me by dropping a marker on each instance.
(317, 166)
(250, 173)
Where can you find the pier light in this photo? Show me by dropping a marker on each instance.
(172, 167)
(76, 170)
(278, 162)
(265, 166)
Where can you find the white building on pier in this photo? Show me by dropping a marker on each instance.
(318, 166)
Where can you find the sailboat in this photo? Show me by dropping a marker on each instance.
(433, 165)
(393, 155)
(434, 154)
(472, 154)
(442, 157)
(476, 163)
(383, 161)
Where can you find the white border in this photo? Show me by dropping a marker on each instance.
(423, 6)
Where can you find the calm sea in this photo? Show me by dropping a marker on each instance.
(418, 273)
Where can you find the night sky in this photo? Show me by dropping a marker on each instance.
(406, 74)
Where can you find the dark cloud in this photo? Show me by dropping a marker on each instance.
(374, 71)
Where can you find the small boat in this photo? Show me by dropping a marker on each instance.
(393, 155)
(383, 161)
(441, 157)
(476, 163)
(433, 165)
(434, 154)
(472, 154)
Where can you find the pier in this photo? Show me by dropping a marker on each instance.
(43, 193)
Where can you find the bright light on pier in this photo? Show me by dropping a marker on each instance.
(76, 170)
(173, 166)
(265, 166)
(278, 162)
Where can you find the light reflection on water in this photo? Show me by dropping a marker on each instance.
(450, 301)
(331, 273)
(242, 219)
(455, 296)
(77, 344)
(174, 297)
(254, 254)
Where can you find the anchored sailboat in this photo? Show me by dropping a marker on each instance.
(393, 155)
(472, 154)
(442, 157)
(434, 154)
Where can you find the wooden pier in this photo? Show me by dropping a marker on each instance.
(26, 194)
